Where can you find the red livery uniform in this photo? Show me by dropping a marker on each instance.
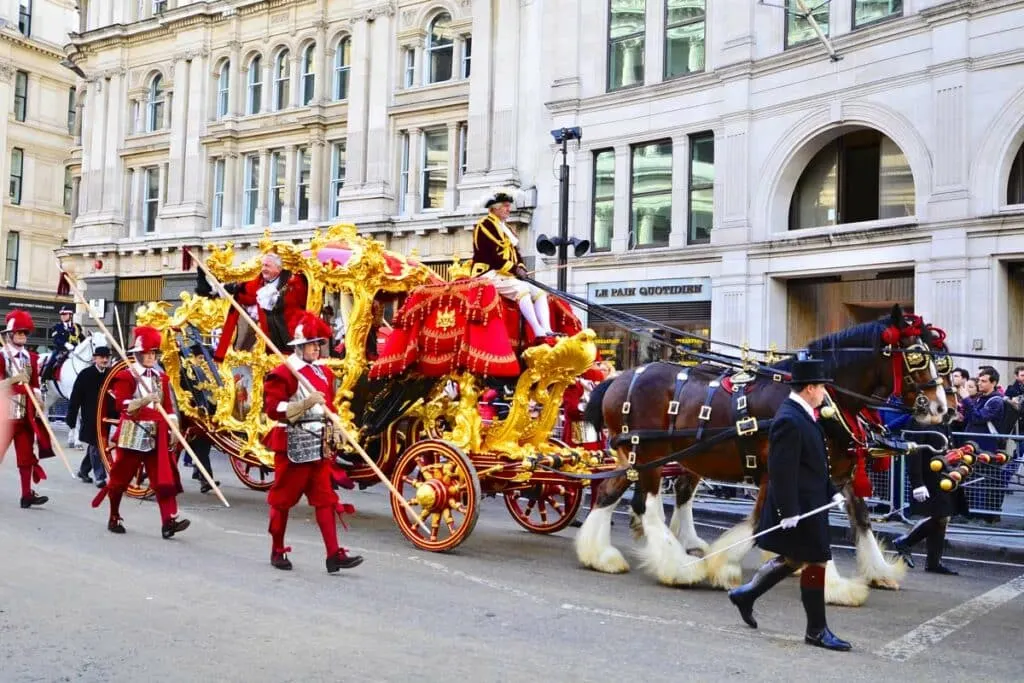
(275, 304)
(300, 465)
(19, 371)
(142, 437)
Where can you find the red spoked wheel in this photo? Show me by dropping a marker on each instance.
(441, 485)
(545, 508)
(256, 476)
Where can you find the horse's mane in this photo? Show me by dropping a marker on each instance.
(835, 349)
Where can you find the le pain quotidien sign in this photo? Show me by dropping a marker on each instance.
(650, 291)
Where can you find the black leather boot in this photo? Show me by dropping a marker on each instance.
(33, 499)
(936, 544)
(818, 633)
(903, 544)
(770, 573)
(342, 560)
(174, 526)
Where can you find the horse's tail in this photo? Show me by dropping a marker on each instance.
(593, 412)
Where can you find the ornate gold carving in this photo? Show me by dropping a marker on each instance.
(446, 319)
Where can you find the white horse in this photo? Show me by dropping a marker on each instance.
(78, 359)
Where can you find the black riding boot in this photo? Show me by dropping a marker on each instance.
(812, 594)
(936, 543)
(903, 544)
(770, 573)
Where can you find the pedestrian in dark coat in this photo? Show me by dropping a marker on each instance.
(85, 397)
(799, 481)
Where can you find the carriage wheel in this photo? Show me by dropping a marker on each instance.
(106, 418)
(440, 483)
(545, 508)
(255, 476)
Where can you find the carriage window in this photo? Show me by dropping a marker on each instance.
(799, 28)
(626, 29)
(869, 11)
(861, 176)
(603, 210)
(1015, 190)
(651, 194)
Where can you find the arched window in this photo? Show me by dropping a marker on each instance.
(223, 89)
(282, 80)
(342, 66)
(308, 73)
(1015, 190)
(440, 49)
(860, 176)
(255, 89)
(155, 104)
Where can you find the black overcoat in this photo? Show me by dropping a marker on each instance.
(84, 399)
(798, 481)
(940, 503)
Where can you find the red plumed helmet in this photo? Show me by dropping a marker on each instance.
(146, 339)
(308, 328)
(19, 321)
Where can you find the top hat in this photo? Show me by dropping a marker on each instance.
(808, 371)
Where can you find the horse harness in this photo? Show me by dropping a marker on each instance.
(746, 426)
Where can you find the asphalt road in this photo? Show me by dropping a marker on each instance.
(80, 604)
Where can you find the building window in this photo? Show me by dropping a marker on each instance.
(17, 169)
(304, 167)
(467, 56)
(224, 90)
(435, 168)
(20, 95)
(218, 193)
(151, 200)
(155, 104)
(684, 37)
(251, 193)
(159, 7)
(409, 74)
(869, 11)
(861, 176)
(342, 67)
(702, 188)
(1015, 190)
(255, 95)
(403, 180)
(337, 176)
(602, 213)
(626, 26)
(69, 189)
(11, 259)
(25, 17)
(278, 176)
(72, 113)
(282, 80)
(463, 149)
(440, 49)
(798, 26)
(650, 200)
(308, 73)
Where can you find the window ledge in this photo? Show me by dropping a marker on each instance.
(1011, 209)
(844, 229)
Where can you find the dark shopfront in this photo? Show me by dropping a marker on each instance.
(45, 314)
(680, 303)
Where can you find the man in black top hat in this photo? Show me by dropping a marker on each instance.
(85, 398)
(799, 481)
(64, 337)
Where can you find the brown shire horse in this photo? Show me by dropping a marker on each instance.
(855, 358)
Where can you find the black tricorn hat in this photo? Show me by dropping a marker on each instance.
(101, 351)
(499, 198)
(808, 371)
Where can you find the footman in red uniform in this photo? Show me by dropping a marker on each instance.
(142, 436)
(300, 465)
(19, 370)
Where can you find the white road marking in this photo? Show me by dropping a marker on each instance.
(934, 630)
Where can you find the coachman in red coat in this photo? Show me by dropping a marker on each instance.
(301, 465)
(143, 437)
(19, 369)
(275, 299)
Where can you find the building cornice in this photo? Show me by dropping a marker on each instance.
(9, 35)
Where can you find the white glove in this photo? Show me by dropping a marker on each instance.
(921, 494)
(838, 498)
(267, 296)
(789, 522)
(69, 346)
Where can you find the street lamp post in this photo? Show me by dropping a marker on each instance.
(550, 246)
